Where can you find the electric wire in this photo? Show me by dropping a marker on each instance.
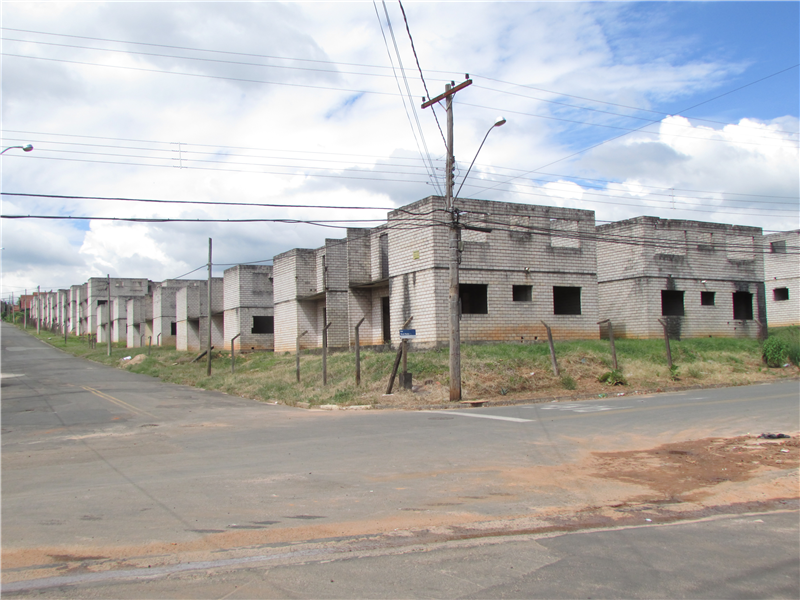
(339, 63)
(200, 59)
(412, 109)
(217, 148)
(202, 75)
(419, 68)
(563, 158)
(637, 108)
(659, 133)
(584, 189)
(650, 121)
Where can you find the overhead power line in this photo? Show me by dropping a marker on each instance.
(563, 158)
(202, 75)
(219, 148)
(348, 64)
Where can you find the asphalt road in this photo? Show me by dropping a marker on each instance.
(107, 473)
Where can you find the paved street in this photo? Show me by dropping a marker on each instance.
(107, 473)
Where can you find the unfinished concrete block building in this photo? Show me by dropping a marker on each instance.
(191, 304)
(520, 265)
(249, 307)
(139, 319)
(163, 319)
(782, 277)
(704, 279)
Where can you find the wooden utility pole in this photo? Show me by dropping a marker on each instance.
(455, 237)
(38, 308)
(208, 345)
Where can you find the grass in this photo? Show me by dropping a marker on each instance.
(507, 371)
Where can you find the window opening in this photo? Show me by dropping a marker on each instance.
(473, 298)
(707, 298)
(743, 306)
(672, 303)
(780, 294)
(778, 247)
(263, 324)
(386, 319)
(522, 293)
(173, 328)
(566, 300)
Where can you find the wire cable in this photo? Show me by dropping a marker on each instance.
(419, 68)
(412, 110)
(643, 126)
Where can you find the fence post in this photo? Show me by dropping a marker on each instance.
(666, 342)
(396, 361)
(158, 340)
(233, 352)
(358, 353)
(611, 341)
(552, 350)
(325, 353)
(297, 355)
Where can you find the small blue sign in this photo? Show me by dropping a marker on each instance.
(408, 334)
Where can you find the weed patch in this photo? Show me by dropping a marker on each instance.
(511, 371)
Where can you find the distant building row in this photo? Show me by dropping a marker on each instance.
(521, 265)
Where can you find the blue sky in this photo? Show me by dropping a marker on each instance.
(336, 132)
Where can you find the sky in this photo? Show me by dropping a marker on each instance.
(682, 110)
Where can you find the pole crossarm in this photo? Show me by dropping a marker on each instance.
(450, 92)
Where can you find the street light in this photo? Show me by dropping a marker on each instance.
(499, 123)
(25, 148)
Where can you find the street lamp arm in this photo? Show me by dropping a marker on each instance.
(25, 148)
(501, 121)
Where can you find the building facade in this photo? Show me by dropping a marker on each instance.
(520, 265)
(248, 303)
(191, 303)
(782, 277)
(702, 279)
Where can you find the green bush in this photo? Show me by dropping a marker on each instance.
(776, 351)
(568, 382)
(613, 377)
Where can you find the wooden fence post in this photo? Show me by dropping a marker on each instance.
(233, 352)
(297, 355)
(552, 350)
(325, 354)
(358, 353)
(666, 342)
(611, 341)
(396, 361)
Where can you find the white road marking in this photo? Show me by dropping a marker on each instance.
(8, 375)
(22, 349)
(581, 408)
(480, 416)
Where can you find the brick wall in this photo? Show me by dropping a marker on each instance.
(640, 258)
(248, 294)
(782, 278)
